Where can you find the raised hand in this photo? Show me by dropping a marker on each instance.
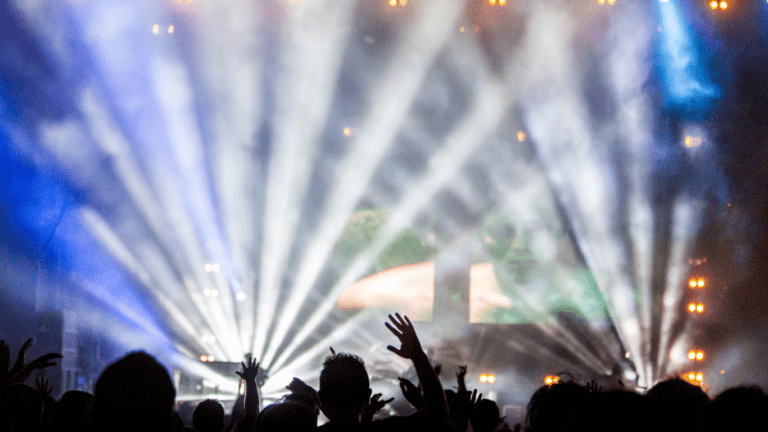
(373, 407)
(20, 357)
(462, 406)
(460, 378)
(412, 393)
(43, 387)
(592, 387)
(409, 342)
(250, 371)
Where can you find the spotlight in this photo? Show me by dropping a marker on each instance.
(700, 307)
(697, 355)
(347, 131)
(493, 2)
(713, 5)
(156, 29)
(699, 377)
(696, 307)
(491, 379)
(692, 307)
(551, 379)
(502, 2)
(209, 267)
(692, 283)
(393, 3)
(170, 29)
(691, 354)
(210, 358)
(700, 283)
(403, 2)
(521, 136)
(483, 378)
(700, 355)
(723, 5)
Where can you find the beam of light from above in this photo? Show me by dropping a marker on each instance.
(558, 124)
(486, 113)
(683, 74)
(392, 98)
(313, 51)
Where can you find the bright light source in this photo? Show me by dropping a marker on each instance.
(692, 283)
(203, 358)
(156, 29)
(209, 267)
(208, 338)
(691, 354)
(601, 1)
(493, 2)
(521, 136)
(403, 2)
(210, 358)
(692, 307)
(700, 282)
(461, 29)
(700, 355)
(393, 3)
(240, 296)
(483, 378)
(551, 379)
(700, 307)
(491, 379)
(610, 2)
(699, 377)
(347, 131)
(502, 2)
(713, 5)
(723, 5)
(216, 267)
(170, 29)
(212, 292)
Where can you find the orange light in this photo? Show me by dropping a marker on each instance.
(700, 282)
(403, 2)
(692, 283)
(723, 5)
(691, 354)
(601, 1)
(551, 379)
(502, 2)
(521, 136)
(700, 307)
(347, 131)
(493, 2)
(610, 2)
(691, 376)
(699, 377)
(491, 379)
(203, 358)
(393, 3)
(700, 355)
(461, 29)
(713, 5)
(692, 307)
(156, 29)
(483, 378)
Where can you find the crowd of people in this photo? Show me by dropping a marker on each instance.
(136, 394)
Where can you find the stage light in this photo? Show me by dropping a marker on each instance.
(696, 307)
(483, 378)
(700, 283)
(461, 29)
(491, 379)
(610, 2)
(403, 2)
(551, 379)
(700, 307)
(697, 355)
(700, 355)
(347, 131)
(692, 283)
(502, 2)
(723, 5)
(156, 29)
(692, 307)
(170, 29)
(699, 377)
(203, 358)
(493, 2)
(691, 376)
(393, 3)
(691, 354)
(521, 136)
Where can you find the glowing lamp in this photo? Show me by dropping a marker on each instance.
(700, 283)
(692, 283)
(483, 378)
(713, 5)
(170, 29)
(699, 377)
(521, 136)
(692, 307)
(502, 2)
(551, 379)
(491, 378)
(493, 2)
(723, 5)
(691, 354)
(691, 376)
(156, 29)
(393, 3)
(700, 355)
(403, 2)
(700, 307)
(240, 296)
(347, 131)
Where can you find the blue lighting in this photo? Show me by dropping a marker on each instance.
(685, 79)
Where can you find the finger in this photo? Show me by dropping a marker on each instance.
(408, 320)
(395, 332)
(400, 319)
(388, 400)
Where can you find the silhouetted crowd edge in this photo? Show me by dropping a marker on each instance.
(136, 394)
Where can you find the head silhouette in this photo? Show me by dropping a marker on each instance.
(21, 408)
(485, 416)
(344, 387)
(736, 409)
(133, 393)
(70, 410)
(674, 403)
(208, 416)
(286, 417)
(556, 407)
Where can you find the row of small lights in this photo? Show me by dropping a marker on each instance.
(207, 358)
(714, 5)
(694, 283)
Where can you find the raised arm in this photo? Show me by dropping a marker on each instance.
(410, 348)
(249, 374)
